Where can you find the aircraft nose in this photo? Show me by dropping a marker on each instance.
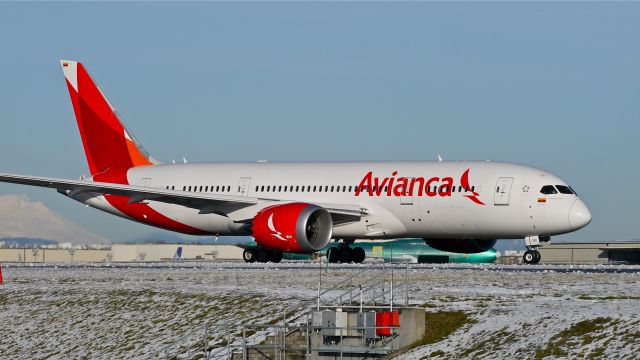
(579, 215)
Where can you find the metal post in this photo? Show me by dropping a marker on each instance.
(391, 304)
(244, 343)
(350, 287)
(318, 306)
(406, 286)
(383, 273)
(284, 335)
(340, 343)
(308, 352)
(361, 300)
(205, 341)
(229, 342)
(392, 268)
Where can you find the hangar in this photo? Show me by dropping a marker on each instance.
(616, 252)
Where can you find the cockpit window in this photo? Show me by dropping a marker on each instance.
(548, 190)
(564, 189)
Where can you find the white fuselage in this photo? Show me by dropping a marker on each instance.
(509, 202)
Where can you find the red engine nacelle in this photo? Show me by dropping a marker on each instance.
(293, 227)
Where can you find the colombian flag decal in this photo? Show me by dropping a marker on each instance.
(542, 200)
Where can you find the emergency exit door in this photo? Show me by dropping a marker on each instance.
(503, 191)
(243, 186)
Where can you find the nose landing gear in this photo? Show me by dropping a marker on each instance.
(532, 255)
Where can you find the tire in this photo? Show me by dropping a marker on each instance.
(358, 255)
(529, 257)
(262, 255)
(249, 255)
(537, 256)
(333, 254)
(346, 255)
(276, 257)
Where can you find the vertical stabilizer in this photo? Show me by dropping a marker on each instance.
(108, 142)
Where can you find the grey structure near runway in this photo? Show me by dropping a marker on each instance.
(618, 252)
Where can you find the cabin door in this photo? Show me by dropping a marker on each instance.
(503, 191)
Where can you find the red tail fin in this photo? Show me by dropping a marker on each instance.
(108, 143)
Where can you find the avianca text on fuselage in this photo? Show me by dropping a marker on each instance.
(404, 186)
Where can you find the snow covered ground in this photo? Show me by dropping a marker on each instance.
(133, 310)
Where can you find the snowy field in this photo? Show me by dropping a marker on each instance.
(133, 310)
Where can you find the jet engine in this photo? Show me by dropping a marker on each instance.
(461, 246)
(293, 227)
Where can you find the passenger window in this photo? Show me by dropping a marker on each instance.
(473, 188)
(285, 188)
(548, 190)
(349, 188)
(332, 188)
(564, 189)
(228, 188)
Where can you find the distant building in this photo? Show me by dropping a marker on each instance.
(617, 252)
(122, 252)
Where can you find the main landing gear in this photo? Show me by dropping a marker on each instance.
(258, 254)
(532, 255)
(345, 254)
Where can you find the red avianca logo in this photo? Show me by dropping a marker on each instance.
(403, 186)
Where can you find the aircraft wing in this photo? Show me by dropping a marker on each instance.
(204, 202)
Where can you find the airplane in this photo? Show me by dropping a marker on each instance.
(399, 250)
(300, 207)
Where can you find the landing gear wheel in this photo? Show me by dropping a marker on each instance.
(276, 257)
(262, 255)
(333, 254)
(346, 255)
(358, 255)
(529, 257)
(537, 256)
(249, 255)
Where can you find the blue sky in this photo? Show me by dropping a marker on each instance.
(554, 85)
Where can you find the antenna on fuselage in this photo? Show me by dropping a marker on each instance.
(184, 160)
(439, 158)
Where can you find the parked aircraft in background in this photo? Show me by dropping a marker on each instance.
(400, 250)
(456, 206)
